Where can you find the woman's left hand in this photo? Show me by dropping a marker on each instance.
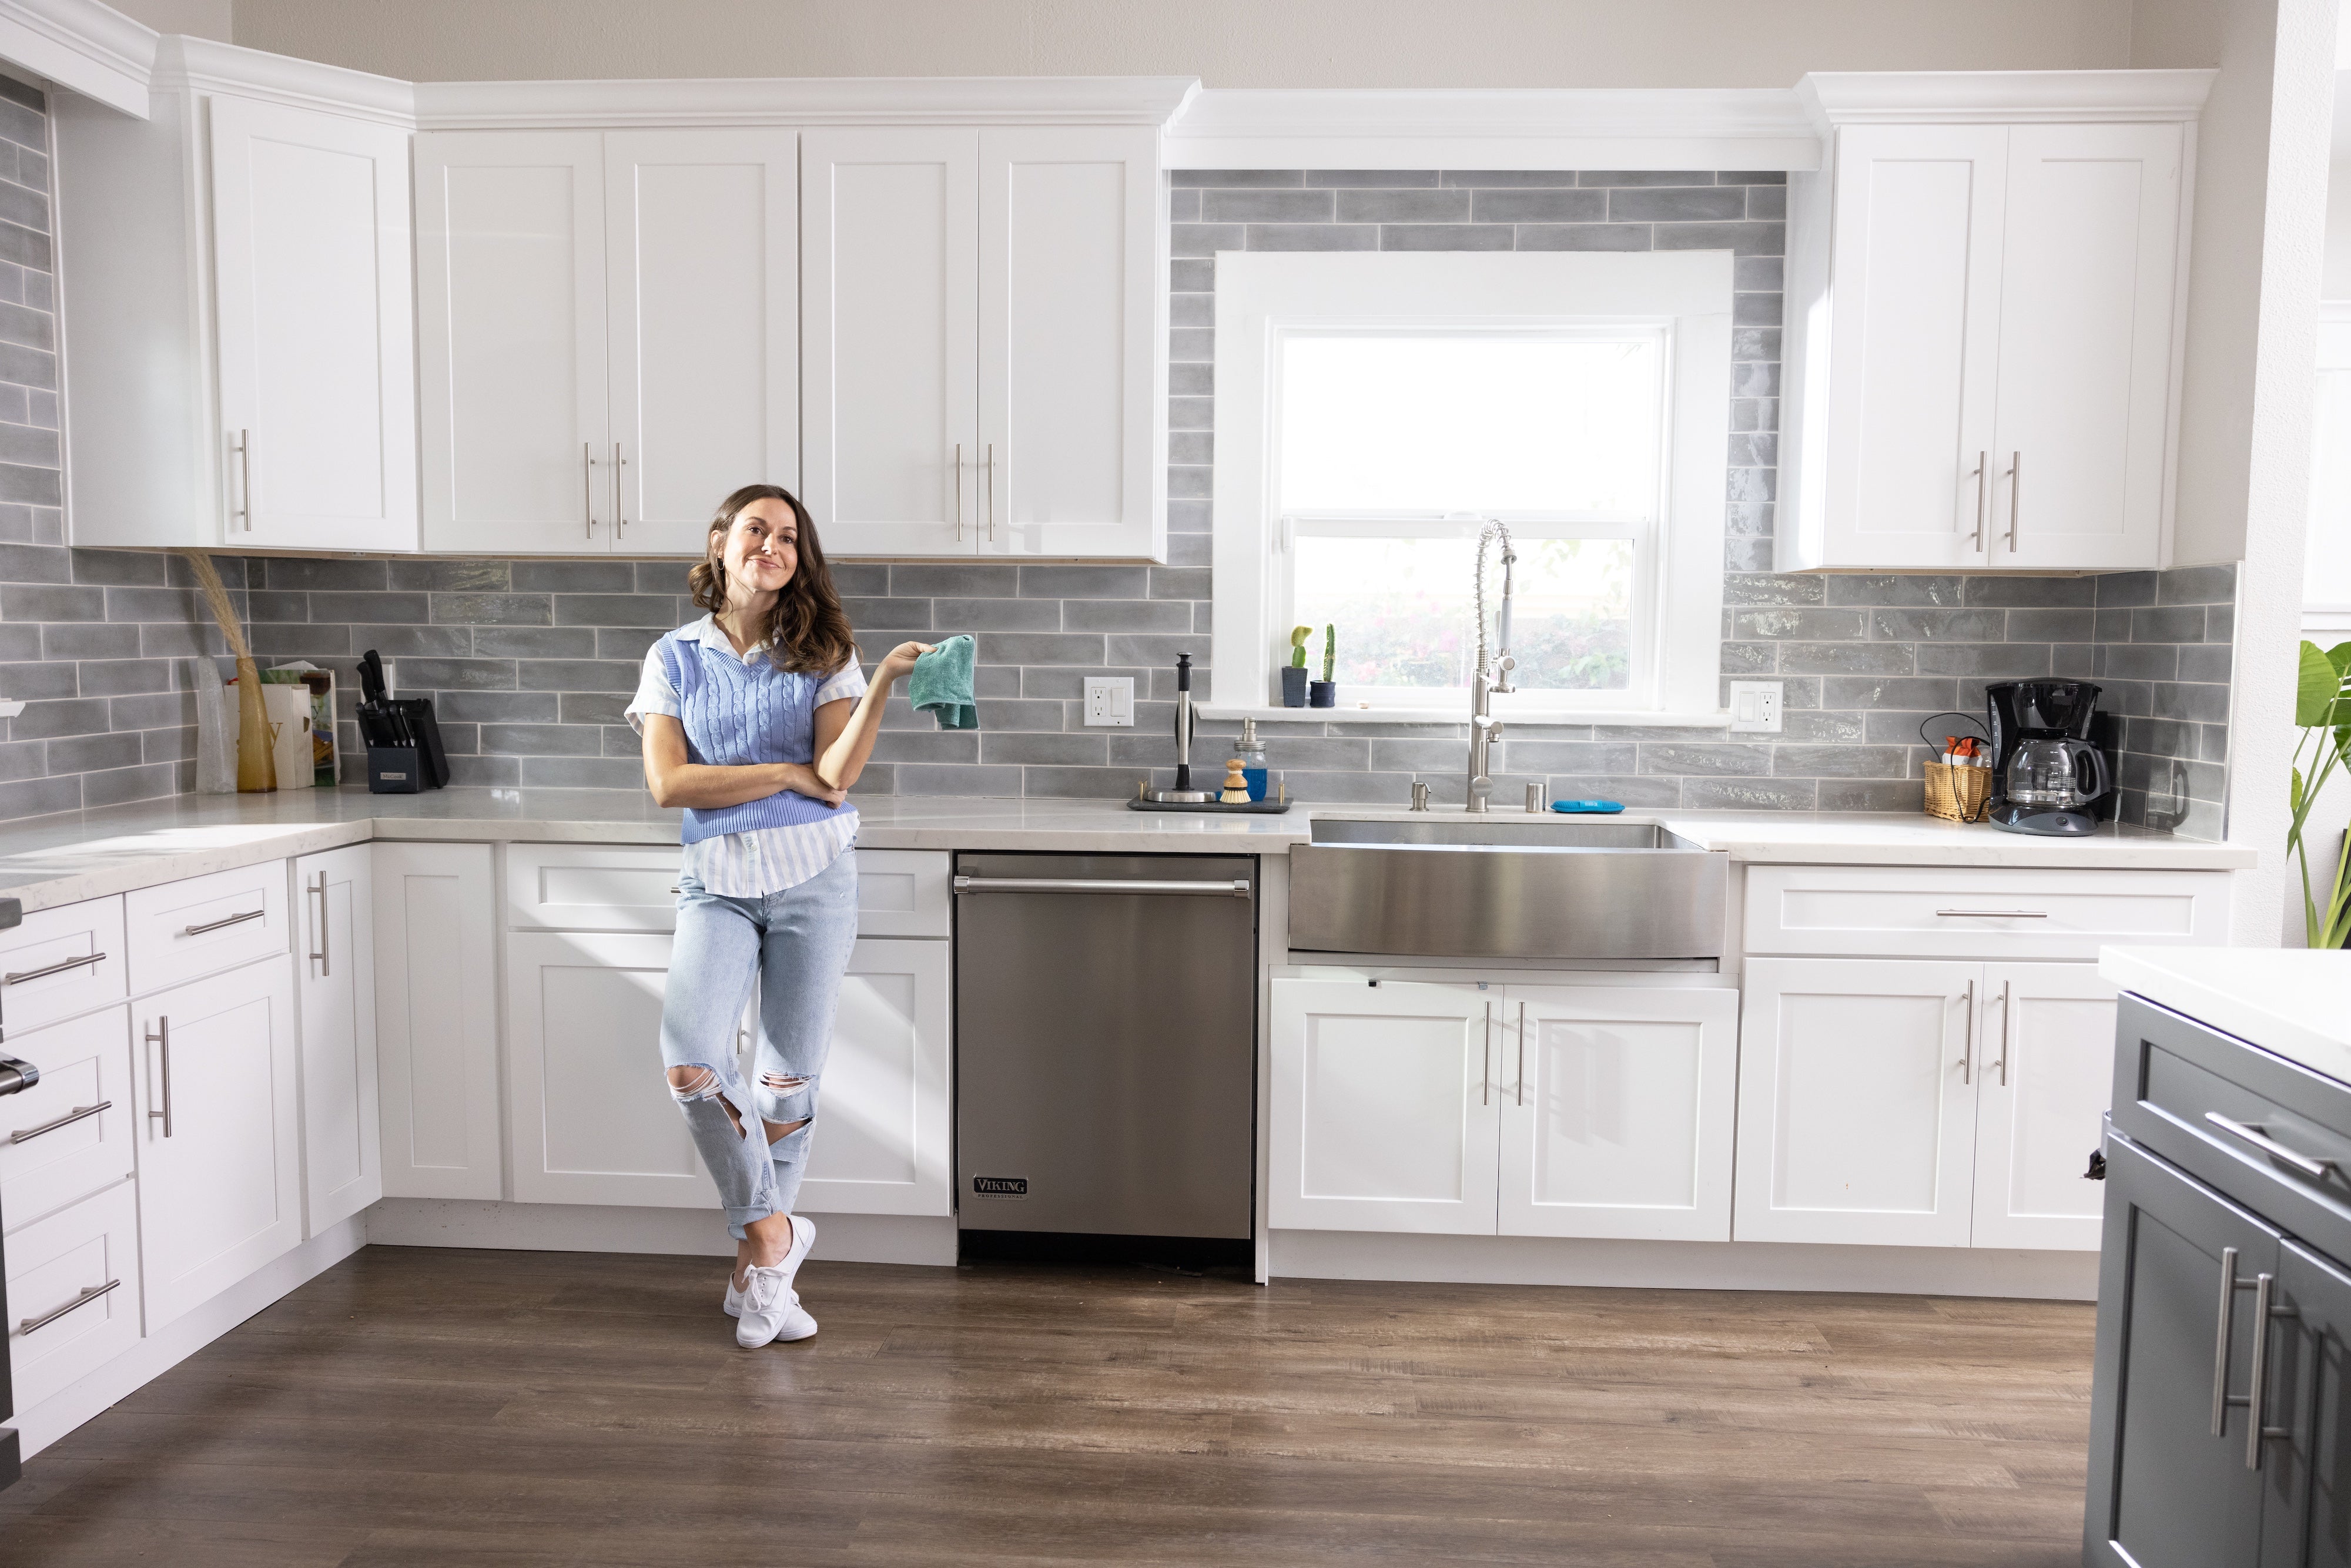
(901, 660)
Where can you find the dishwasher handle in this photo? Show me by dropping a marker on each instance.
(1235, 888)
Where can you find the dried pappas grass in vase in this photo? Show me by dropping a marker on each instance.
(257, 766)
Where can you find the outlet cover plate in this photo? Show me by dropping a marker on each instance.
(1755, 708)
(1110, 701)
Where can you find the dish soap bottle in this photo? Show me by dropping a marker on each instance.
(1252, 752)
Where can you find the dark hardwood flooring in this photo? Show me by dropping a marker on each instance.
(523, 1410)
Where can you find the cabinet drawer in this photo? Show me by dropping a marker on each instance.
(61, 962)
(591, 887)
(84, 1259)
(69, 1134)
(1974, 912)
(2266, 1133)
(204, 924)
(903, 892)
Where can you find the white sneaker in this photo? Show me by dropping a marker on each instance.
(770, 1310)
(803, 1238)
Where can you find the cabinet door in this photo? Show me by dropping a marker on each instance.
(71, 1133)
(1857, 1100)
(2086, 351)
(1069, 347)
(74, 1276)
(310, 278)
(342, 1149)
(510, 294)
(890, 339)
(1616, 1112)
(436, 1019)
(2049, 1050)
(703, 248)
(884, 1115)
(220, 1164)
(2164, 1489)
(1384, 1106)
(1915, 267)
(2306, 1511)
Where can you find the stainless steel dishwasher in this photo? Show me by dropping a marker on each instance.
(1105, 1043)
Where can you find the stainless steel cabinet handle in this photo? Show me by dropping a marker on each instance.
(228, 920)
(160, 1037)
(87, 1296)
(1992, 913)
(619, 505)
(2221, 1339)
(2257, 1393)
(988, 468)
(325, 967)
(2015, 494)
(245, 469)
(59, 967)
(958, 491)
(1523, 1053)
(1486, 1060)
(1968, 1042)
(2312, 1166)
(1236, 889)
(79, 1113)
(588, 487)
(1983, 493)
(2007, 1027)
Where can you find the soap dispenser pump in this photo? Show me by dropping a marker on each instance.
(1252, 752)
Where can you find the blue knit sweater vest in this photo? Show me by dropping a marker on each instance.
(737, 714)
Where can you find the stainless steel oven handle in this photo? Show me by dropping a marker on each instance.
(87, 1296)
(59, 967)
(2313, 1167)
(79, 1113)
(1236, 889)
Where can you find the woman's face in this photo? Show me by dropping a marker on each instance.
(761, 548)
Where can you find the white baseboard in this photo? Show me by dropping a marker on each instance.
(1686, 1265)
(676, 1232)
(159, 1352)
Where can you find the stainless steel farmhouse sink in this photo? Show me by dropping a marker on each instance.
(1472, 888)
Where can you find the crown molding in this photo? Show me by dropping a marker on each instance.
(1856, 98)
(200, 65)
(1565, 128)
(802, 101)
(83, 45)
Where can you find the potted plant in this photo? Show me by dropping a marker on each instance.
(1324, 692)
(2321, 707)
(1293, 675)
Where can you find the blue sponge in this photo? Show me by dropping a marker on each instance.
(1587, 806)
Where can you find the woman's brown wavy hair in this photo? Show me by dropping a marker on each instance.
(808, 632)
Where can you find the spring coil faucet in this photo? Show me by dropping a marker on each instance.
(1483, 728)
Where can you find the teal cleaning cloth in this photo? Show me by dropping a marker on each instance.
(941, 684)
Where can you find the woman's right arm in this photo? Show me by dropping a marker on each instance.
(675, 781)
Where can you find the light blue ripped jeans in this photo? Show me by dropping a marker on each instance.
(796, 944)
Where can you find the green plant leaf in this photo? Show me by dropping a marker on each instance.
(2293, 794)
(2317, 686)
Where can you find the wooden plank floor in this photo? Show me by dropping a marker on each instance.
(523, 1409)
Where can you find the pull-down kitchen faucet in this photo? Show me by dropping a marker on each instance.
(1483, 726)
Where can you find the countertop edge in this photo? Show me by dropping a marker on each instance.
(2154, 974)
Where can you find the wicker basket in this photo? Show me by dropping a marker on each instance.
(1957, 794)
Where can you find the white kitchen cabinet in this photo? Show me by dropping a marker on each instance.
(1384, 1113)
(1857, 1101)
(2049, 1036)
(238, 334)
(884, 1115)
(62, 961)
(342, 1149)
(436, 1019)
(73, 1292)
(1616, 1109)
(70, 1133)
(1984, 304)
(220, 1165)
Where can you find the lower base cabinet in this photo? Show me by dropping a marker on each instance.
(73, 1292)
(436, 1012)
(342, 1152)
(1581, 1110)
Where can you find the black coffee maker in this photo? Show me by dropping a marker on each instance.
(2045, 771)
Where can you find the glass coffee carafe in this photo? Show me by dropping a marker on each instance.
(2047, 771)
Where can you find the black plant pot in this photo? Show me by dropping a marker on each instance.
(1322, 694)
(1293, 685)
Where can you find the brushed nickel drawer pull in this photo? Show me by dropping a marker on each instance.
(2228, 1283)
(2313, 1167)
(2015, 496)
(1967, 1045)
(1486, 1061)
(59, 967)
(1991, 914)
(1523, 1053)
(216, 924)
(87, 1296)
(326, 966)
(79, 1113)
(160, 1037)
(1983, 488)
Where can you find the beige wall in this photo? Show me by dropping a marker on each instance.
(202, 18)
(1226, 43)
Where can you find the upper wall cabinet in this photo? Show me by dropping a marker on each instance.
(236, 321)
(610, 338)
(983, 363)
(1984, 293)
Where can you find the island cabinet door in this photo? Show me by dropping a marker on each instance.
(2306, 1498)
(342, 1126)
(2180, 1280)
(1385, 1106)
(1857, 1100)
(437, 1019)
(2049, 1048)
(1616, 1112)
(884, 1117)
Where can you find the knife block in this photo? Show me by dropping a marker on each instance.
(395, 770)
(404, 734)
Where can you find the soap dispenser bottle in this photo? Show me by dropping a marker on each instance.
(1252, 755)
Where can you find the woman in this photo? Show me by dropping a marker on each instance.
(756, 720)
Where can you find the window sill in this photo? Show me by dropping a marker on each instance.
(1460, 714)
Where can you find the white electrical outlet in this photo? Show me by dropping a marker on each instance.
(1755, 708)
(1110, 700)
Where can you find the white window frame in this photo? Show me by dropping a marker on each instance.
(1262, 298)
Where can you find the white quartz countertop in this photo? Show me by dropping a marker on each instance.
(49, 861)
(2291, 1001)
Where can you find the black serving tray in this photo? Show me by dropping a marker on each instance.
(1253, 808)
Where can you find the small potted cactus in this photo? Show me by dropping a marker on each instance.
(1293, 675)
(1324, 692)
